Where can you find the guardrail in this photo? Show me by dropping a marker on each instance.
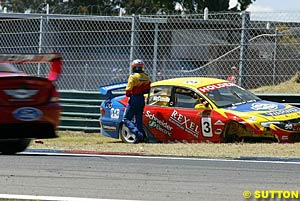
(81, 110)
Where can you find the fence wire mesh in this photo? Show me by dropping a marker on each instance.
(97, 50)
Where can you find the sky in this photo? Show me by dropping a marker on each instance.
(272, 5)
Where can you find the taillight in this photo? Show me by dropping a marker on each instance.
(102, 111)
(54, 96)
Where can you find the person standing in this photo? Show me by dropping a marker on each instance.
(159, 75)
(138, 85)
(233, 78)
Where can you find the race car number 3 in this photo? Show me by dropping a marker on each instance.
(206, 127)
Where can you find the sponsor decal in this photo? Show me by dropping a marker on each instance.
(158, 124)
(293, 127)
(114, 113)
(184, 123)
(282, 112)
(191, 82)
(213, 87)
(219, 123)
(27, 114)
(288, 126)
(108, 105)
(160, 98)
(218, 131)
(264, 106)
(206, 127)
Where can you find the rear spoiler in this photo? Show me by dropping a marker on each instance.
(108, 89)
(54, 58)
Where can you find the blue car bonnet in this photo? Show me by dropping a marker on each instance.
(258, 106)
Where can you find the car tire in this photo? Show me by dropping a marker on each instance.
(125, 134)
(13, 146)
(231, 133)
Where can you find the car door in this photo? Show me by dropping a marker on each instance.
(196, 117)
(159, 106)
(170, 115)
(193, 125)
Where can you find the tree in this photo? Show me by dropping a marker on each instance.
(87, 7)
(100, 7)
(193, 6)
(145, 6)
(245, 3)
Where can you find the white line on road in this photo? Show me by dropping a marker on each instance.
(32, 197)
(258, 160)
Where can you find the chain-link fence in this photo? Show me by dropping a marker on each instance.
(98, 50)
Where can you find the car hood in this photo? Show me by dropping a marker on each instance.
(267, 110)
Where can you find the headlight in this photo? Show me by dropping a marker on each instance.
(267, 124)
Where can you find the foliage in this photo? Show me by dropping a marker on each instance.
(245, 3)
(193, 6)
(112, 7)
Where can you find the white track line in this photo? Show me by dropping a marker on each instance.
(32, 197)
(266, 160)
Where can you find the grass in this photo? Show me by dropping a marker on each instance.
(289, 87)
(73, 141)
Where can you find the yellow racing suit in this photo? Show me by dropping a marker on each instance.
(138, 85)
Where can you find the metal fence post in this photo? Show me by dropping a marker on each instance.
(40, 42)
(245, 36)
(155, 52)
(274, 56)
(132, 40)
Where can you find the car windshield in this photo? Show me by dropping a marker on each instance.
(8, 68)
(230, 96)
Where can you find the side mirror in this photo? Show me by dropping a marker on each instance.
(201, 106)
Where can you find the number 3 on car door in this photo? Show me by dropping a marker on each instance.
(206, 127)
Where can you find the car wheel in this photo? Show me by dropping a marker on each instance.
(125, 134)
(231, 134)
(12, 146)
(231, 138)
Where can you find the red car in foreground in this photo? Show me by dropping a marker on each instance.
(29, 104)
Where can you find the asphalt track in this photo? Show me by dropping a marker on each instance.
(63, 175)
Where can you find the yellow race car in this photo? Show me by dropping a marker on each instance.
(201, 109)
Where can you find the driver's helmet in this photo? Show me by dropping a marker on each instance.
(137, 66)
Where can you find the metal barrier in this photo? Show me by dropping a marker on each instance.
(81, 110)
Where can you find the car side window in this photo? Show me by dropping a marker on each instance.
(160, 95)
(186, 98)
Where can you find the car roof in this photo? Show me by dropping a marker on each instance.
(192, 82)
